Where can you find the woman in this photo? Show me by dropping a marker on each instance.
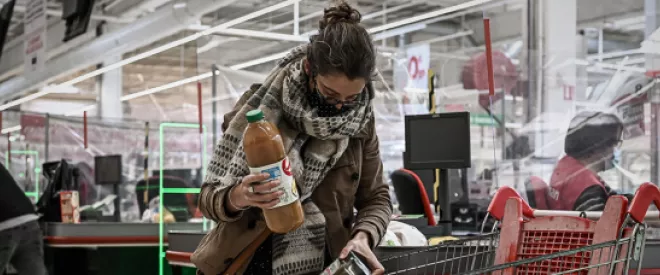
(320, 98)
(591, 146)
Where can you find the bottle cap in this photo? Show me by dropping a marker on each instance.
(254, 115)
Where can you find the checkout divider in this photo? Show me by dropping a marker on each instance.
(162, 190)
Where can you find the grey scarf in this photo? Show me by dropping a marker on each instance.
(283, 101)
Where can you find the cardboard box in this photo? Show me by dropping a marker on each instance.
(70, 207)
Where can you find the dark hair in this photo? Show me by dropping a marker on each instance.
(592, 132)
(342, 44)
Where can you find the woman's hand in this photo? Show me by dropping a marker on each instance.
(251, 193)
(360, 245)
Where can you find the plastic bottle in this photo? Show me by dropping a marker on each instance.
(264, 152)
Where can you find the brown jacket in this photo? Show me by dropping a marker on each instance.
(356, 181)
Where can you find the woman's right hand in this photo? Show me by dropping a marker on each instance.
(260, 195)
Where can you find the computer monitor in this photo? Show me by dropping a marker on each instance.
(438, 141)
(77, 14)
(107, 169)
(5, 20)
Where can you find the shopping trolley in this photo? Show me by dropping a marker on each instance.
(532, 241)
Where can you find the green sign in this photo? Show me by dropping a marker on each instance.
(482, 120)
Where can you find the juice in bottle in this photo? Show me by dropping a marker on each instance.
(264, 152)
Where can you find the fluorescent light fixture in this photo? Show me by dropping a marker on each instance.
(167, 86)
(60, 89)
(149, 91)
(620, 67)
(260, 60)
(156, 50)
(428, 15)
(261, 34)
(614, 54)
(198, 27)
(11, 129)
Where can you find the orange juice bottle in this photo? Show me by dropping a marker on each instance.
(264, 152)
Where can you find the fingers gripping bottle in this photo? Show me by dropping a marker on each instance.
(264, 152)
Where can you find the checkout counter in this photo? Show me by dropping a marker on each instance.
(101, 245)
(97, 247)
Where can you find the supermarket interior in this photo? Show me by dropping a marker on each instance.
(483, 136)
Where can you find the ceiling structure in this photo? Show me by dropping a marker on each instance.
(454, 36)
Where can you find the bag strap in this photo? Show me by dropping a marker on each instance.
(245, 255)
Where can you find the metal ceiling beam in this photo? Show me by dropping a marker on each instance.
(101, 17)
(429, 15)
(256, 34)
(380, 30)
(219, 41)
(143, 7)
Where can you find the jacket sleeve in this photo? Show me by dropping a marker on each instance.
(212, 198)
(373, 198)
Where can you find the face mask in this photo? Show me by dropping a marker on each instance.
(616, 156)
(614, 161)
(323, 109)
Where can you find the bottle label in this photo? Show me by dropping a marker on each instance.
(280, 171)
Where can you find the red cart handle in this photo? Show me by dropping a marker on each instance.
(498, 203)
(645, 194)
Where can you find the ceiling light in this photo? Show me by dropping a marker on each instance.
(11, 129)
(167, 86)
(60, 89)
(428, 15)
(260, 60)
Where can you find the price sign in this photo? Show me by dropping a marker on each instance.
(418, 61)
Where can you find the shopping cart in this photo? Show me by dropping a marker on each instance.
(542, 242)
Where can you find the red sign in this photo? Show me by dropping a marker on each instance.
(414, 67)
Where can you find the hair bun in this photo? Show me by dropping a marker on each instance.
(342, 12)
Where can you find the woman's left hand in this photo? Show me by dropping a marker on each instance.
(360, 245)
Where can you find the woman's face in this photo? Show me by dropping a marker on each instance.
(339, 90)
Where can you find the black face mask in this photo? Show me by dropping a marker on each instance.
(323, 108)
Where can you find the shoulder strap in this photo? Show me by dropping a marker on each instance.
(245, 255)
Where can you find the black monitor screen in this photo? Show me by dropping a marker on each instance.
(107, 169)
(438, 141)
(5, 21)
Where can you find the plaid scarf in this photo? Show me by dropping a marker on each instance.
(284, 103)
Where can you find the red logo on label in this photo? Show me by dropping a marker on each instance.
(286, 167)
